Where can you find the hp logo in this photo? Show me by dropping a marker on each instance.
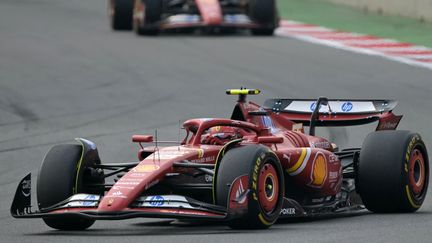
(157, 201)
(347, 106)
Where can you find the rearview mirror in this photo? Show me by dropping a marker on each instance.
(142, 138)
(270, 139)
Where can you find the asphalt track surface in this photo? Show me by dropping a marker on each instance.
(64, 74)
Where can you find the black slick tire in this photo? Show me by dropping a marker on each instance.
(264, 12)
(121, 12)
(151, 13)
(56, 181)
(393, 172)
(254, 161)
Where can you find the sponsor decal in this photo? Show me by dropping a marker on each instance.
(90, 202)
(298, 127)
(184, 18)
(157, 201)
(146, 168)
(301, 163)
(255, 178)
(137, 174)
(134, 183)
(172, 154)
(410, 148)
(165, 201)
(170, 211)
(322, 145)
(336, 106)
(347, 107)
(26, 188)
(239, 193)
(313, 106)
(118, 194)
(130, 179)
(288, 211)
(203, 160)
(122, 187)
(83, 200)
(333, 175)
(200, 153)
(388, 125)
(319, 171)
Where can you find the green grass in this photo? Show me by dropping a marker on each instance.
(344, 18)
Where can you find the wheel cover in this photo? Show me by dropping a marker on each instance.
(417, 172)
(268, 188)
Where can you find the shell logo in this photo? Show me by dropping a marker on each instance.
(319, 171)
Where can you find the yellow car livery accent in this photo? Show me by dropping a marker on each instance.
(221, 152)
(299, 166)
(410, 198)
(243, 91)
(75, 188)
(263, 220)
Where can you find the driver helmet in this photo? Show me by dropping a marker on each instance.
(224, 133)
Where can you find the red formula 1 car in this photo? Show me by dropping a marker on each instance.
(148, 17)
(247, 171)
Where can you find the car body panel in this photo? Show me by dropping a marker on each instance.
(312, 167)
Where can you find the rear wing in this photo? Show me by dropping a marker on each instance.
(336, 112)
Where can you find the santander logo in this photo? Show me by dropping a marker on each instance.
(240, 191)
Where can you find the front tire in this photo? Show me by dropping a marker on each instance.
(56, 182)
(266, 185)
(121, 14)
(393, 172)
(147, 14)
(264, 12)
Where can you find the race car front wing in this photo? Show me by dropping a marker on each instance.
(86, 206)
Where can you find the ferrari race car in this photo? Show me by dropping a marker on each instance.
(148, 17)
(247, 171)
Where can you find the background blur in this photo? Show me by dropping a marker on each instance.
(65, 74)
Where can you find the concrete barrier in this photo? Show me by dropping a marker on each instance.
(418, 9)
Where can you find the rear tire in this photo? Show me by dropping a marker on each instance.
(393, 172)
(121, 14)
(150, 12)
(264, 170)
(56, 181)
(264, 12)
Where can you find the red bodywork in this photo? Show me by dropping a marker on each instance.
(308, 161)
(210, 14)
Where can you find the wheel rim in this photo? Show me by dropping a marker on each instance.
(417, 172)
(268, 188)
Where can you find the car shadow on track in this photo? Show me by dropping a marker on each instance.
(180, 228)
